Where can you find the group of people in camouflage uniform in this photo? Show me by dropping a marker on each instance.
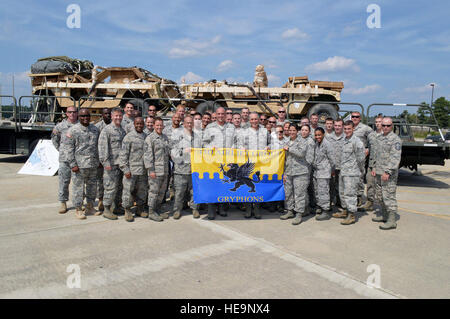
(125, 159)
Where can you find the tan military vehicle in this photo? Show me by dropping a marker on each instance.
(298, 95)
(96, 87)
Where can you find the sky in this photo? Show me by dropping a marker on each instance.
(202, 40)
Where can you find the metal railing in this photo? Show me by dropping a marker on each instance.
(35, 112)
(13, 112)
(408, 105)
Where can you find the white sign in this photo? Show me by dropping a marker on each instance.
(43, 161)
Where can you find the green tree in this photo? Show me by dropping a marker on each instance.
(441, 110)
(422, 114)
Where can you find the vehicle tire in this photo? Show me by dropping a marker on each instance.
(324, 111)
(208, 106)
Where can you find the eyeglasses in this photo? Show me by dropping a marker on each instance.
(281, 111)
(386, 125)
(85, 115)
(356, 116)
(272, 122)
(72, 111)
(280, 132)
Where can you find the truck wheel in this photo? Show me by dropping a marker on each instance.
(324, 111)
(208, 106)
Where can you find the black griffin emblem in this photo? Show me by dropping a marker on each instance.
(240, 175)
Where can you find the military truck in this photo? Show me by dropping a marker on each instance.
(299, 95)
(414, 152)
(96, 87)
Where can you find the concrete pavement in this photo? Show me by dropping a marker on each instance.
(229, 257)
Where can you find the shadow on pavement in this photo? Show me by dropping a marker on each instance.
(407, 178)
(14, 159)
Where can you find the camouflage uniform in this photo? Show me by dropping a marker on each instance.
(59, 140)
(131, 160)
(109, 146)
(362, 131)
(129, 127)
(371, 181)
(352, 166)
(100, 189)
(336, 144)
(311, 200)
(297, 169)
(387, 160)
(276, 143)
(147, 131)
(156, 159)
(182, 167)
(126, 121)
(252, 139)
(168, 131)
(245, 125)
(323, 165)
(219, 136)
(83, 152)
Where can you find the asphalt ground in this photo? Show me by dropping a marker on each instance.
(43, 252)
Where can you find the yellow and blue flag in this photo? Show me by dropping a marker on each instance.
(227, 175)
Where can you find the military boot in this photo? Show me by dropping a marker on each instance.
(63, 208)
(211, 212)
(351, 219)
(79, 213)
(108, 214)
(153, 216)
(90, 210)
(307, 211)
(257, 211)
(128, 215)
(177, 215)
(324, 215)
(368, 206)
(141, 212)
(195, 213)
(380, 219)
(298, 219)
(100, 206)
(248, 211)
(390, 223)
(342, 214)
(359, 202)
(289, 214)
